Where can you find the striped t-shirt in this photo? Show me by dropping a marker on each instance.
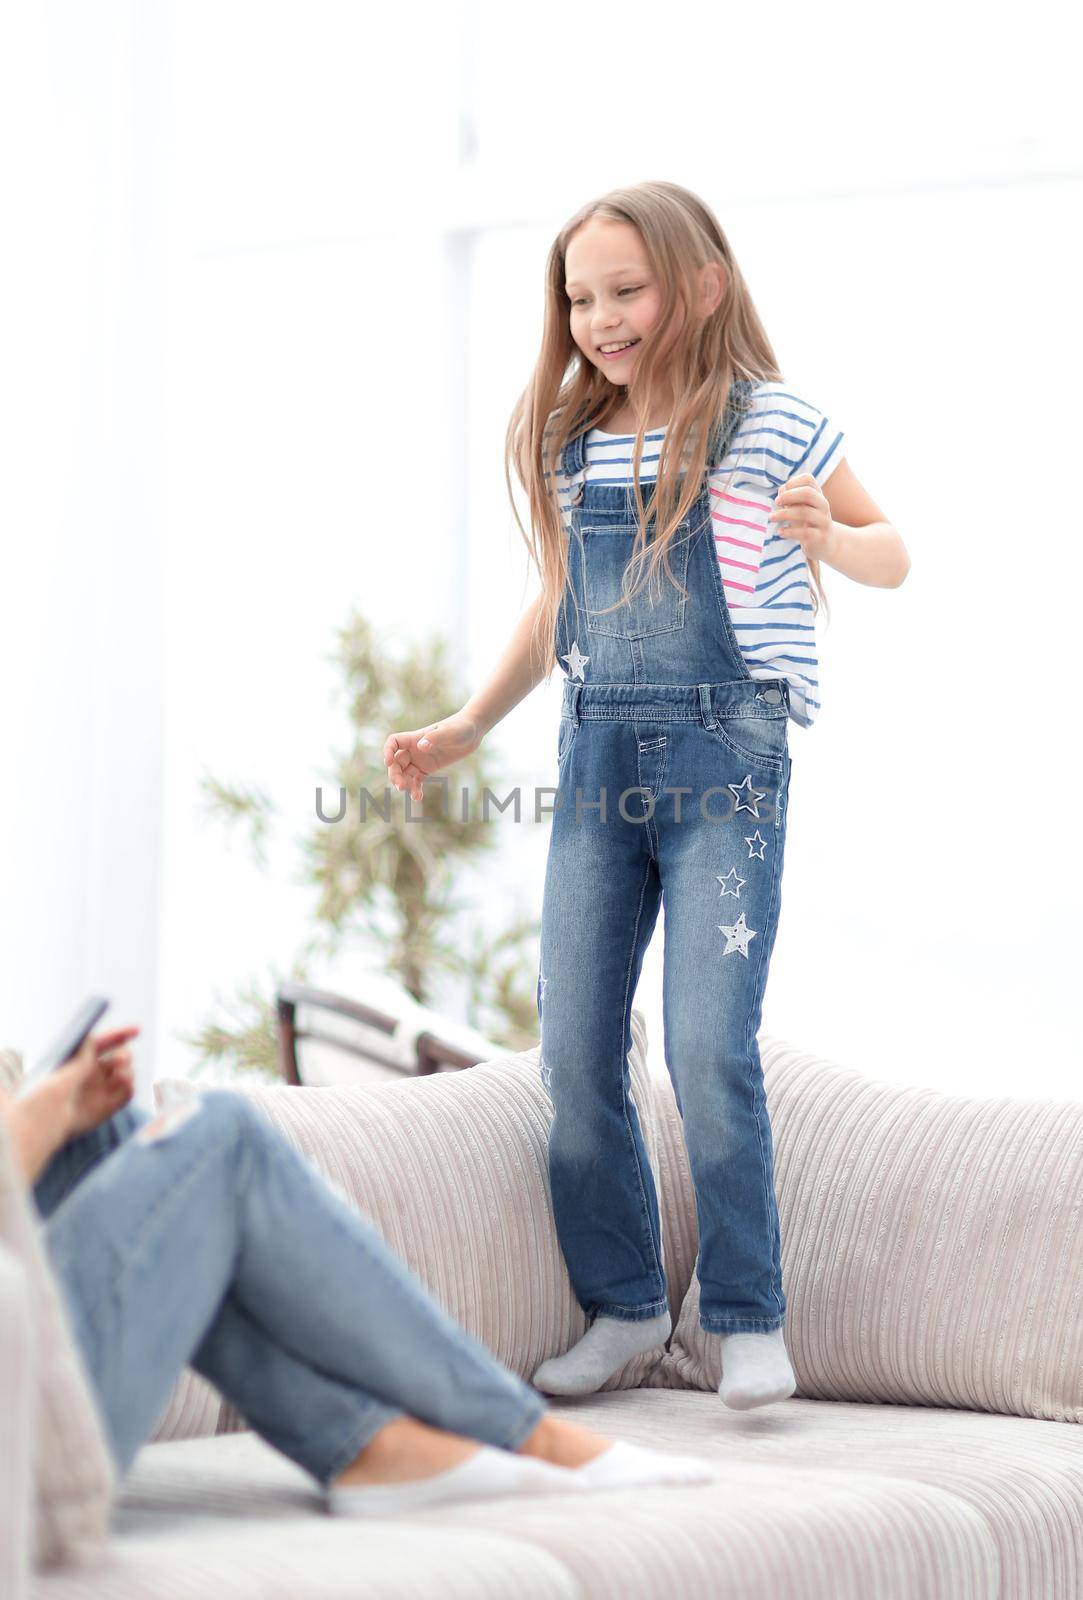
(765, 574)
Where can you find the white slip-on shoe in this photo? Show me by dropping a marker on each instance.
(488, 1474)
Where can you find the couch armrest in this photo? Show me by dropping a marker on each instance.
(16, 1403)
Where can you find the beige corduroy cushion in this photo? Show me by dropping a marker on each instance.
(453, 1171)
(932, 1252)
(73, 1472)
(811, 1502)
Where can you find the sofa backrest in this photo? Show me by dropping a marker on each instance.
(932, 1252)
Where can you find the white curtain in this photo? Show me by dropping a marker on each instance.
(83, 103)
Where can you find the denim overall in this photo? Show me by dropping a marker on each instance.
(673, 773)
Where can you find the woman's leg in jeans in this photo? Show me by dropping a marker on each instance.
(221, 1218)
(81, 1155)
(315, 1420)
(318, 1421)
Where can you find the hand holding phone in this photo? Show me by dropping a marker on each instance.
(99, 1080)
(75, 1033)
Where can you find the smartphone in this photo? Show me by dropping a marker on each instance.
(70, 1041)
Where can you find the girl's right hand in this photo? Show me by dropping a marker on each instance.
(410, 757)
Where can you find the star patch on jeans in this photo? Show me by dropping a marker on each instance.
(576, 661)
(735, 892)
(752, 796)
(737, 937)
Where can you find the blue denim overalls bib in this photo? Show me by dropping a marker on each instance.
(673, 770)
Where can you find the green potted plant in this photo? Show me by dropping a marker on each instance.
(383, 882)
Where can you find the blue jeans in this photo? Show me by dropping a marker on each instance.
(220, 1248)
(704, 793)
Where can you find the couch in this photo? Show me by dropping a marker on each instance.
(933, 1266)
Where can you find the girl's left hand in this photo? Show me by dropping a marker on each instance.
(802, 508)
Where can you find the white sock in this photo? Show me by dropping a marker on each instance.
(607, 1344)
(755, 1370)
(488, 1474)
(625, 1463)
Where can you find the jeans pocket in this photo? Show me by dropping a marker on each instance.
(657, 606)
(569, 727)
(761, 741)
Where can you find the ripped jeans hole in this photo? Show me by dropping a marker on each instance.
(168, 1120)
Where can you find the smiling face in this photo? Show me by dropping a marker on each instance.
(615, 297)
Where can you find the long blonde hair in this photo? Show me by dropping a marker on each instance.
(680, 235)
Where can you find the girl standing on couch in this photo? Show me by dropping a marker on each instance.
(687, 651)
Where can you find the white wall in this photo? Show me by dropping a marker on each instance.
(275, 247)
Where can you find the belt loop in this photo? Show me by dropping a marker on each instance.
(577, 690)
(706, 710)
